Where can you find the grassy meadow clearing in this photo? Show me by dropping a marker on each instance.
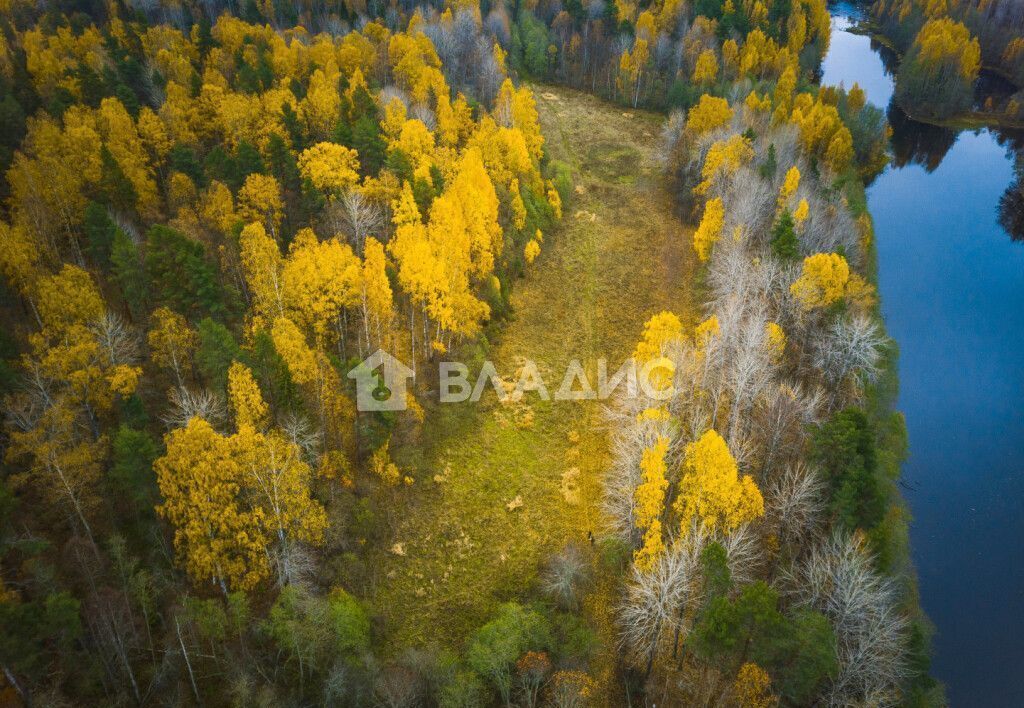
(509, 483)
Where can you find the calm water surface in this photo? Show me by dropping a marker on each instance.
(951, 284)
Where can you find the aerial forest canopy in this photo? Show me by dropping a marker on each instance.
(212, 212)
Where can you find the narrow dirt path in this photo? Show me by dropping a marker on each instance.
(504, 486)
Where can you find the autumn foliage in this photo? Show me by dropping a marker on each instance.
(213, 212)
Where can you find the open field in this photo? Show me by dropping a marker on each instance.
(500, 487)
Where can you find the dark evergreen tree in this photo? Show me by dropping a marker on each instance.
(100, 231)
(128, 272)
(784, 243)
(180, 274)
(844, 449)
(114, 187)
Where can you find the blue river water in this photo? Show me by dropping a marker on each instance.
(951, 282)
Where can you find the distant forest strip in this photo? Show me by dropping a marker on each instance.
(944, 47)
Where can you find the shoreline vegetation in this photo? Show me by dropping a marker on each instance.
(943, 50)
(947, 61)
(879, 398)
(213, 212)
(971, 120)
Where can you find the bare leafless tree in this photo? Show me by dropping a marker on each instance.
(780, 419)
(294, 563)
(566, 576)
(119, 342)
(839, 579)
(631, 437)
(186, 404)
(652, 611)
(398, 686)
(424, 114)
(672, 133)
(743, 553)
(794, 502)
(112, 627)
(388, 93)
(751, 200)
(830, 228)
(301, 432)
(749, 368)
(849, 353)
(357, 217)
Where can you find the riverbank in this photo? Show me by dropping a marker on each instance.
(867, 26)
(895, 552)
(949, 278)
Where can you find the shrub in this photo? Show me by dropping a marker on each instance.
(495, 647)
